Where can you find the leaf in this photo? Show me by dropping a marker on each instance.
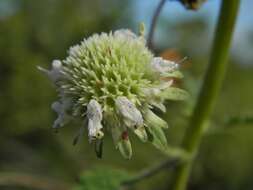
(101, 179)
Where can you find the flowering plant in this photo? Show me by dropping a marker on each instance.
(112, 82)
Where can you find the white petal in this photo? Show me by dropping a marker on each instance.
(155, 91)
(60, 109)
(125, 33)
(56, 64)
(153, 94)
(161, 65)
(74, 50)
(55, 73)
(57, 107)
(59, 122)
(94, 115)
(94, 129)
(131, 115)
(94, 111)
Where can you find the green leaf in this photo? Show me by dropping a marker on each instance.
(101, 179)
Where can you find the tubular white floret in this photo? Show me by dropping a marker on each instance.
(55, 73)
(130, 114)
(94, 115)
(161, 65)
(61, 110)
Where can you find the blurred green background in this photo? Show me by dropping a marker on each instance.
(36, 32)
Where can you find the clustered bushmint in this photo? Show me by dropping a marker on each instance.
(112, 82)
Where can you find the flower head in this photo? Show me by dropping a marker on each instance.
(112, 82)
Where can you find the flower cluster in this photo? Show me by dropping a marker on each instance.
(113, 82)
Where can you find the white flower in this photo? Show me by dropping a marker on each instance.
(61, 110)
(107, 82)
(153, 94)
(125, 33)
(94, 115)
(161, 65)
(131, 115)
(55, 73)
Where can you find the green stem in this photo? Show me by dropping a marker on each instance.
(210, 88)
(165, 165)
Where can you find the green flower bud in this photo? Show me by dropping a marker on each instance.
(141, 133)
(125, 147)
(154, 120)
(121, 140)
(156, 134)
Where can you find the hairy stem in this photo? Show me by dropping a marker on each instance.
(210, 88)
(153, 23)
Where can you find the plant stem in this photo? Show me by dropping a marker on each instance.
(210, 88)
(167, 164)
(153, 23)
(176, 156)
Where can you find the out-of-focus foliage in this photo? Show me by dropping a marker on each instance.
(101, 178)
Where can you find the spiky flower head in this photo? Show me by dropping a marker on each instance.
(112, 82)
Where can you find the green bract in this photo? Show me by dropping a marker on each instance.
(112, 81)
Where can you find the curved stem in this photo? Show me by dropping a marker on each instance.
(153, 23)
(167, 164)
(210, 88)
(176, 156)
